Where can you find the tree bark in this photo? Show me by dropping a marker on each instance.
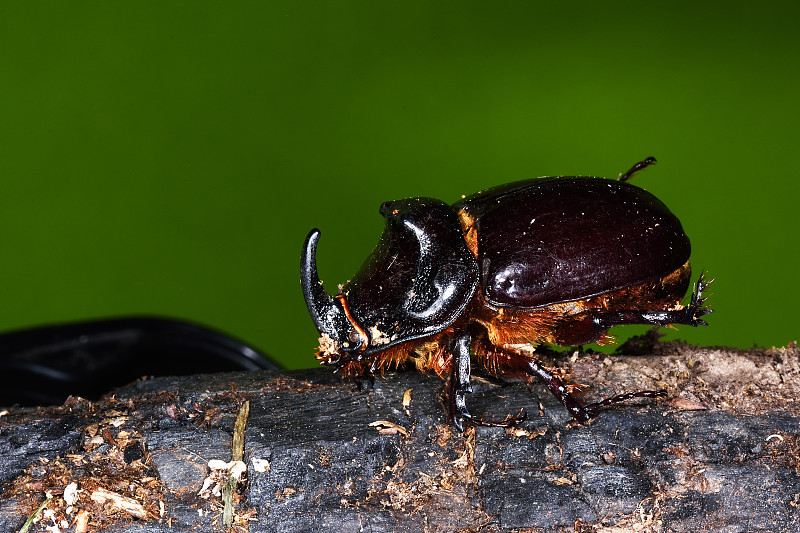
(721, 452)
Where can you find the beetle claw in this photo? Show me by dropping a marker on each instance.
(697, 303)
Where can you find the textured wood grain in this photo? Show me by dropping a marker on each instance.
(720, 453)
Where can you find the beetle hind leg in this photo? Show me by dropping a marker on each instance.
(592, 325)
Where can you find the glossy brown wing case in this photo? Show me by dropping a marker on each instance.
(551, 240)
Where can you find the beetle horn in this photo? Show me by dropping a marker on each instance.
(326, 314)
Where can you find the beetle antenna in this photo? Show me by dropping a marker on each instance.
(637, 167)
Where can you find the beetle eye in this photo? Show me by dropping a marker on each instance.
(353, 335)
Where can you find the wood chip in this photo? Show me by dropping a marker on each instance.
(82, 521)
(385, 427)
(120, 502)
(685, 404)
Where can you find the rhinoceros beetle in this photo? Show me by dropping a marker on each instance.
(555, 260)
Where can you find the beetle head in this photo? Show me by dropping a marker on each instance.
(417, 281)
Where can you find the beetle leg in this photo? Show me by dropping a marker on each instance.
(583, 413)
(514, 363)
(593, 408)
(460, 385)
(459, 382)
(366, 380)
(559, 390)
(689, 315)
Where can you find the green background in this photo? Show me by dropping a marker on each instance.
(170, 157)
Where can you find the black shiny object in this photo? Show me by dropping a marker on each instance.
(419, 278)
(417, 281)
(44, 365)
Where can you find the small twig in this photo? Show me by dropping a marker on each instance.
(237, 454)
(32, 517)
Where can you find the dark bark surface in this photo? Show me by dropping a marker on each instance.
(720, 453)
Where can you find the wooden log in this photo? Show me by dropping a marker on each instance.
(721, 452)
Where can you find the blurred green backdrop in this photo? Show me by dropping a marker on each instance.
(169, 158)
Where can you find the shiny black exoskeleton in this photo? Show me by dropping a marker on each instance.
(484, 281)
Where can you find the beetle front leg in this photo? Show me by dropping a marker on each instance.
(366, 380)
